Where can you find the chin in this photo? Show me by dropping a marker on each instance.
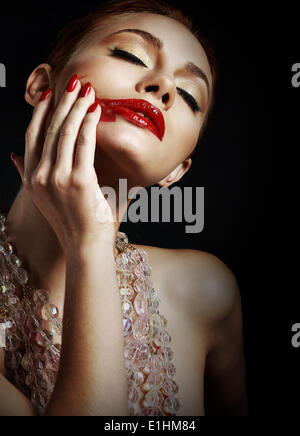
(130, 149)
(129, 141)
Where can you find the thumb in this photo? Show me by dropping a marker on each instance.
(18, 162)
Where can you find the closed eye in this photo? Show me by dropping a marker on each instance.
(135, 60)
(124, 54)
(190, 100)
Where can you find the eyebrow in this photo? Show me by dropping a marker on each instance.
(158, 44)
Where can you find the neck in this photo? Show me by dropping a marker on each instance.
(35, 243)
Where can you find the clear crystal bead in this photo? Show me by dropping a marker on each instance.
(27, 306)
(20, 316)
(57, 325)
(136, 254)
(122, 262)
(127, 292)
(147, 269)
(40, 297)
(42, 339)
(139, 378)
(141, 327)
(142, 255)
(140, 304)
(32, 323)
(121, 240)
(49, 311)
(5, 247)
(52, 356)
(133, 395)
(124, 277)
(127, 307)
(170, 387)
(140, 285)
(171, 405)
(171, 370)
(14, 261)
(27, 361)
(137, 351)
(19, 276)
(154, 398)
(13, 359)
(153, 301)
(12, 343)
(165, 353)
(4, 275)
(13, 302)
(132, 257)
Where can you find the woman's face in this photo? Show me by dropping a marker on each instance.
(122, 147)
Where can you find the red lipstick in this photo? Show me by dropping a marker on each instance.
(128, 108)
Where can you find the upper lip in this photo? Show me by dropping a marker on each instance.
(139, 105)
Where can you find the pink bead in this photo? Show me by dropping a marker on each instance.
(127, 326)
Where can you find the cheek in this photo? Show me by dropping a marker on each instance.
(107, 78)
(104, 75)
(184, 134)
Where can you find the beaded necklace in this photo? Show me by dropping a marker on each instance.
(33, 333)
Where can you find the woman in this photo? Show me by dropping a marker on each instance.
(145, 57)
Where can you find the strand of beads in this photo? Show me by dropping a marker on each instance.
(32, 354)
(32, 339)
(148, 356)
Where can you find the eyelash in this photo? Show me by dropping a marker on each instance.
(187, 97)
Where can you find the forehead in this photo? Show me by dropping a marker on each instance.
(180, 45)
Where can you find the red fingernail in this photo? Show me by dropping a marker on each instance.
(86, 90)
(93, 107)
(72, 83)
(45, 94)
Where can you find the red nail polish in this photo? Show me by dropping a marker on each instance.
(72, 83)
(86, 90)
(45, 94)
(93, 107)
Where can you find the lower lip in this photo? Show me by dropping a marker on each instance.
(109, 114)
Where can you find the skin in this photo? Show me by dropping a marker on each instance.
(199, 294)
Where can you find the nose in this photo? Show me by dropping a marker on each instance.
(162, 86)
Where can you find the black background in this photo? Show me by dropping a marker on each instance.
(237, 163)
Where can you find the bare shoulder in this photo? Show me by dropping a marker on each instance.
(200, 279)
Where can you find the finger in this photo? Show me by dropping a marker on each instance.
(86, 143)
(62, 111)
(70, 131)
(34, 134)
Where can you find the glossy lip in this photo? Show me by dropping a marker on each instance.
(155, 121)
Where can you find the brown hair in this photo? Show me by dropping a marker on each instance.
(76, 32)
